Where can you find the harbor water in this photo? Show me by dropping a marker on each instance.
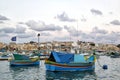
(40, 73)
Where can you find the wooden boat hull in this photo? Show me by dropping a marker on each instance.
(4, 58)
(52, 66)
(68, 68)
(23, 63)
(59, 61)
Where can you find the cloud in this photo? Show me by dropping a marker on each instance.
(92, 37)
(21, 23)
(96, 30)
(96, 12)
(45, 34)
(111, 13)
(3, 34)
(70, 28)
(73, 32)
(58, 38)
(3, 18)
(41, 26)
(83, 19)
(115, 22)
(7, 29)
(96, 35)
(113, 37)
(26, 35)
(64, 17)
(1, 22)
(20, 29)
(102, 36)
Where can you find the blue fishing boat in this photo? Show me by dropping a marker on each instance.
(23, 60)
(59, 61)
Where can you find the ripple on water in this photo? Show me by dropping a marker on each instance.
(39, 72)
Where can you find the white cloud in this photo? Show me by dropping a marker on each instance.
(58, 38)
(3, 18)
(73, 32)
(20, 29)
(96, 35)
(96, 12)
(1, 22)
(41, 26)
(26, 35)
(45, 34)
(53, 28)
(3, 34)
(96, 30)
(7, 29)
(64, 17)
(115, 22)
(83, 19)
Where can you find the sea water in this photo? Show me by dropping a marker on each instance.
(40, 73)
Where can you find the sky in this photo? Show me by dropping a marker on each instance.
(60, 20)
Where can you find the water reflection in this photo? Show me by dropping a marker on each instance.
(26, 72)
(86, 75)
(20, 68)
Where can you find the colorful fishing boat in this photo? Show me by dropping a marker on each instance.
(59, 61)
(4, 56)
(23, 60)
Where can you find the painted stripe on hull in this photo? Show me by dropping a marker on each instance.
(62, 68)
(70, 64)
(12, 63)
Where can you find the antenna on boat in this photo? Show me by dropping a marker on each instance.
(77, 38)
(77, 30)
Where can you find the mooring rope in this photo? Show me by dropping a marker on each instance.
(99, 63)
(103, 67)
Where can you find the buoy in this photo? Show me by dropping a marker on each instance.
(105, 67)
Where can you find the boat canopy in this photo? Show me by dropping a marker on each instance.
(21, 57)
(79, 58)
(61, 57)
(83, 58)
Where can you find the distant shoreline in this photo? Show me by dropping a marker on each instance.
(80, 45)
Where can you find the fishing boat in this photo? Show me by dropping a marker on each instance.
(115, 55)
(23, 60)
(4, 56)
(59, 61)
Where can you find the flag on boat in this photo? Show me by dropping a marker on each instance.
(92, 58)
(13, 38)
